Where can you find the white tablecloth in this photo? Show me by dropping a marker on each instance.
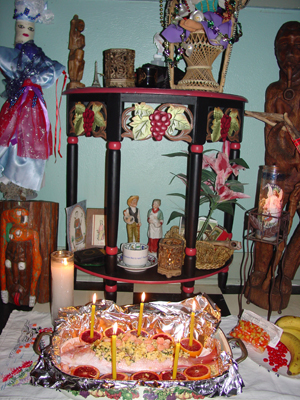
(18, 357)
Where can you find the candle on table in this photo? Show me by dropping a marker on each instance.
(93, 316)
(114, 351)
(176, 356)
(192, 324)
(141, 314)
(62, 281)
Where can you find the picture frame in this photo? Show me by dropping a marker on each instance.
(212, 223)
(76, 226)
(95, 227)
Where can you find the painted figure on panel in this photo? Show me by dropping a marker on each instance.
(281, 140)
(155, 220)
(133, 220)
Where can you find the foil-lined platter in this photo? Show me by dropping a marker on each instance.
(172, 318)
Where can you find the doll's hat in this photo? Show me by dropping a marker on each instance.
(131, 198)
(33, 11)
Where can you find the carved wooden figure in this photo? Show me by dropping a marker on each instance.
(28, 235)
(281, 142)
(76, 56)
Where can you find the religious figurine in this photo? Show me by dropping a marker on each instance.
(282, 97)
(25, 130)
(155, 220)
(20, 261)
(132, 218)
(76, 55)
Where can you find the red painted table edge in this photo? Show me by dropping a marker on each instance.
(172, 92)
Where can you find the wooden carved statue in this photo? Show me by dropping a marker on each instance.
(21, 261)
(76, 55)
(282, 150)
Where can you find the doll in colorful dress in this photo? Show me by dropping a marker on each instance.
(25, 129)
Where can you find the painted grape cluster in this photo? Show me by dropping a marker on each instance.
(160, 121)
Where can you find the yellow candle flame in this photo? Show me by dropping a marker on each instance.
(143, 296)
(115, 328)
(94, 298)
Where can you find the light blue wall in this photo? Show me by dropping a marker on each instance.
(132, 24)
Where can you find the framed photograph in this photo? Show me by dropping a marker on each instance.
(210, 226)
(95, 227)
(76, 226)
(182, 226)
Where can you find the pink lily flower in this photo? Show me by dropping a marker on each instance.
(226, 193)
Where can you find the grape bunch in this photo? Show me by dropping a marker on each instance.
(159, 120)
(88, 120)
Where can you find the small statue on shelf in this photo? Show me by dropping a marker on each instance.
(76, 55)
(155, 220)
(132, 218)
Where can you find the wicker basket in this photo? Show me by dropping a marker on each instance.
(208, 256)
(199, 65)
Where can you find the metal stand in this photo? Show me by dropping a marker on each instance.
(258, 231)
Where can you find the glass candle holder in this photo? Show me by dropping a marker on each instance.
(170, 257)
(270, 202)
(62, 281)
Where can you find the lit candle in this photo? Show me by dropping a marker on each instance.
(93, 316)
(114, 351)
(62, 281)
(192, 324)
(176, 356)
(141, 314)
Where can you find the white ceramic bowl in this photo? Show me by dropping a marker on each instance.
(135, 254)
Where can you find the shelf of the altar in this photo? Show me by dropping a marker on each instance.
(149, 276)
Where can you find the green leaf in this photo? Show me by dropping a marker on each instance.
(78, 125)
(79, 108)
(174, 214)
(180, 176)
(143, 110)
(177, 154)
(240, 161)
(206, 189)
(218, 113)
(216, 131)
(226, 207)
(141, 127)
(207, 175)
(236, 186)
(98, 120)
(177, 194)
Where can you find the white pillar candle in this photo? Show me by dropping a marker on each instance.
(62, 281)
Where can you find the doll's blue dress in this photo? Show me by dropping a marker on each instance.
(25, 129)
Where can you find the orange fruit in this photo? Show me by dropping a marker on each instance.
(197, 372)
(110, 331)
(143, 333)
(163, 335)
(120, 376)
(194, 350)
(168, 376)
(86, 371)
(144, 376)
(86, 337)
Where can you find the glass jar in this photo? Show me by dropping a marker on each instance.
(62, 281)
(270, 203)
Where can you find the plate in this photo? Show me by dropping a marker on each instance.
(258, 358)
(152, 261)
